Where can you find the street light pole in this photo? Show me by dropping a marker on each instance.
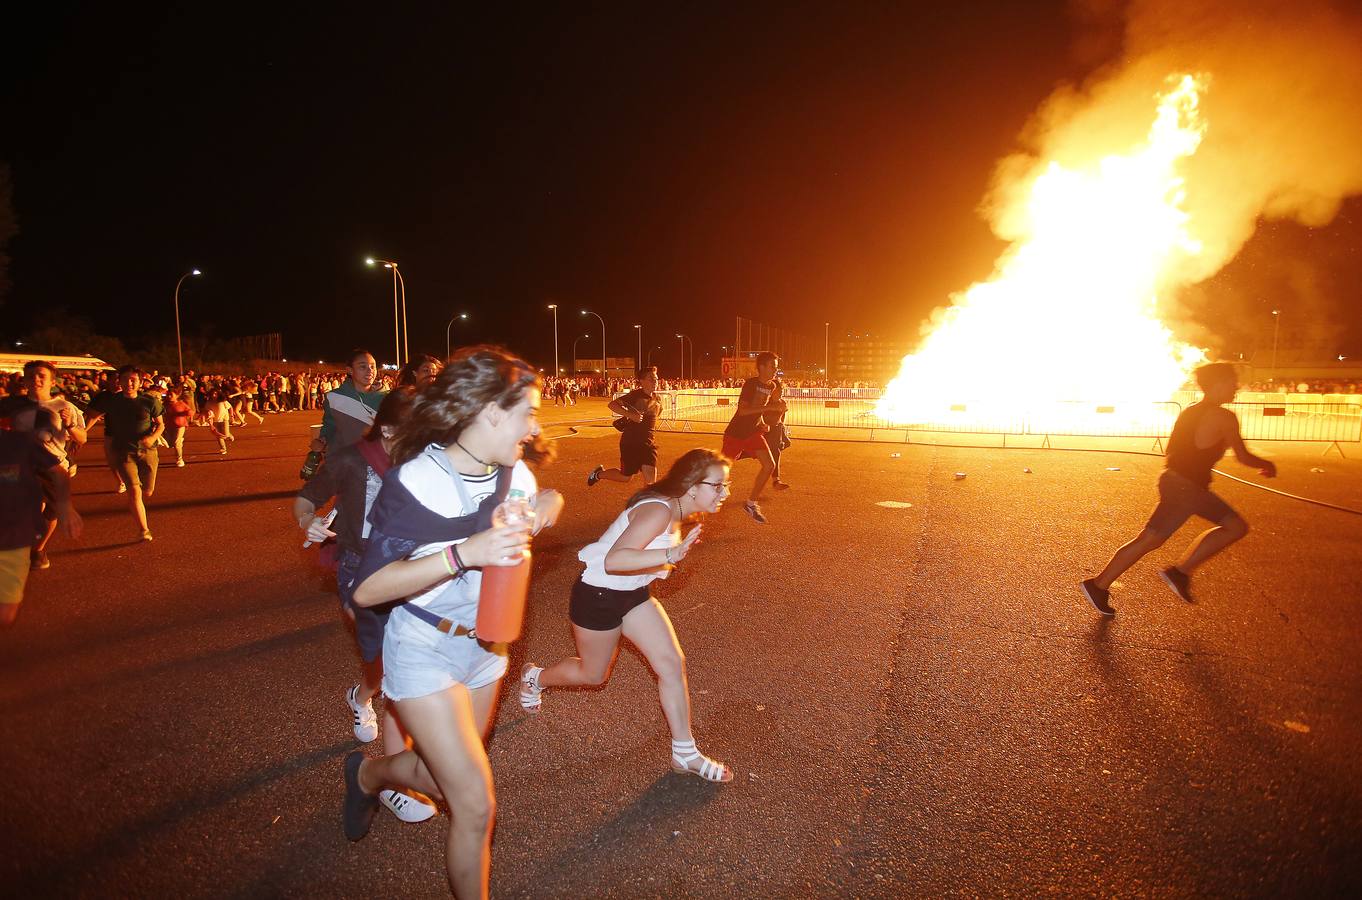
(683, 338)
(605, 360)
(402, 282)
(556, 370)
(179, 348)
(574, 353)
(399, 324)
(827, 372)
(639, 358)
(1276, 325)
(447, 327)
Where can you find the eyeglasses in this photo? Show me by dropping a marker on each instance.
(725, 487)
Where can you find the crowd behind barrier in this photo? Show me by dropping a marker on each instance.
(1333, 417)
(564, 390)
(271, 392)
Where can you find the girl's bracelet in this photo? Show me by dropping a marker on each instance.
(453, 562)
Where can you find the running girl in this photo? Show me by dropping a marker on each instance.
(611, 599)
(177, 421)
(458, 452)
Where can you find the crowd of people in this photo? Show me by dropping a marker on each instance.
(415, 477)
(415, 468)
(1306, 386)
(419, 472)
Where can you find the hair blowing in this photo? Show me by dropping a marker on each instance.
(473, 378)
(392, 412)
(685, 473)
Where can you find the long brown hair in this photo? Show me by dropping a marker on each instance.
(472, 378)
(391, 412)
(685, 473)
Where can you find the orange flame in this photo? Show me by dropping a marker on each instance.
(1070, 313)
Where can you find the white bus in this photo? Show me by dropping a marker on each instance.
(14, 362)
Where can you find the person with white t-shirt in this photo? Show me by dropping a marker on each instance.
(461, 445)
(611, 600)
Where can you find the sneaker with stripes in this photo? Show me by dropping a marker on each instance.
(366, 720)
(406, 807)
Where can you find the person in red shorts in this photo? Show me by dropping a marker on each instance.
(745, 435)
(177, 421)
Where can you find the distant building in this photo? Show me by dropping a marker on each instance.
(865, 357)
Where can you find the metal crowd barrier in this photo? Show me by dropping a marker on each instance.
(1296, 421)
(710, 410)
(1080, 418)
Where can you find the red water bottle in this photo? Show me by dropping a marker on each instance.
(501, 601)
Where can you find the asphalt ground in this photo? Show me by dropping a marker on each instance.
(915, 698)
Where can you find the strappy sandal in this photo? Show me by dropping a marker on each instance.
(531, 693)
(684, 753)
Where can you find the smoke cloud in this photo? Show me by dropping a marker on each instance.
(1283, 109)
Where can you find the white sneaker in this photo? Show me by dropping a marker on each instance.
(406, 807)
(366, 721)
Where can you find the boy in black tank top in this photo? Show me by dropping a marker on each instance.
(1200, 437)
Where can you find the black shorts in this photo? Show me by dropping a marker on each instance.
(1180, 499)
(635, 455)
(602, 609)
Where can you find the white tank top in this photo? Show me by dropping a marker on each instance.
(594, 554)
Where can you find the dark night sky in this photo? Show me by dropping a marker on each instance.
(794, 165)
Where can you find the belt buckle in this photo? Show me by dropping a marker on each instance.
(448, 627)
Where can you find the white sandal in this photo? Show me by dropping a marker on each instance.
(530, 691)
(684, 753)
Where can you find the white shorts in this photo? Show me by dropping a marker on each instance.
(419, 660)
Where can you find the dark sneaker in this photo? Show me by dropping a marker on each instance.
(359, 810)
(780, 485)
(1097, 597)
(37, 559)
(1178, 582)
(595, 476)
(753, 510)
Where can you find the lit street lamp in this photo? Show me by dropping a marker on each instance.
(447, 327)
(639, 358)
(556, 371)
(605, 360)
(575, 367)
(179, 348)
(399, 333)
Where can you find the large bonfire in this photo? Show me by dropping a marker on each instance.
(1072, 311)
